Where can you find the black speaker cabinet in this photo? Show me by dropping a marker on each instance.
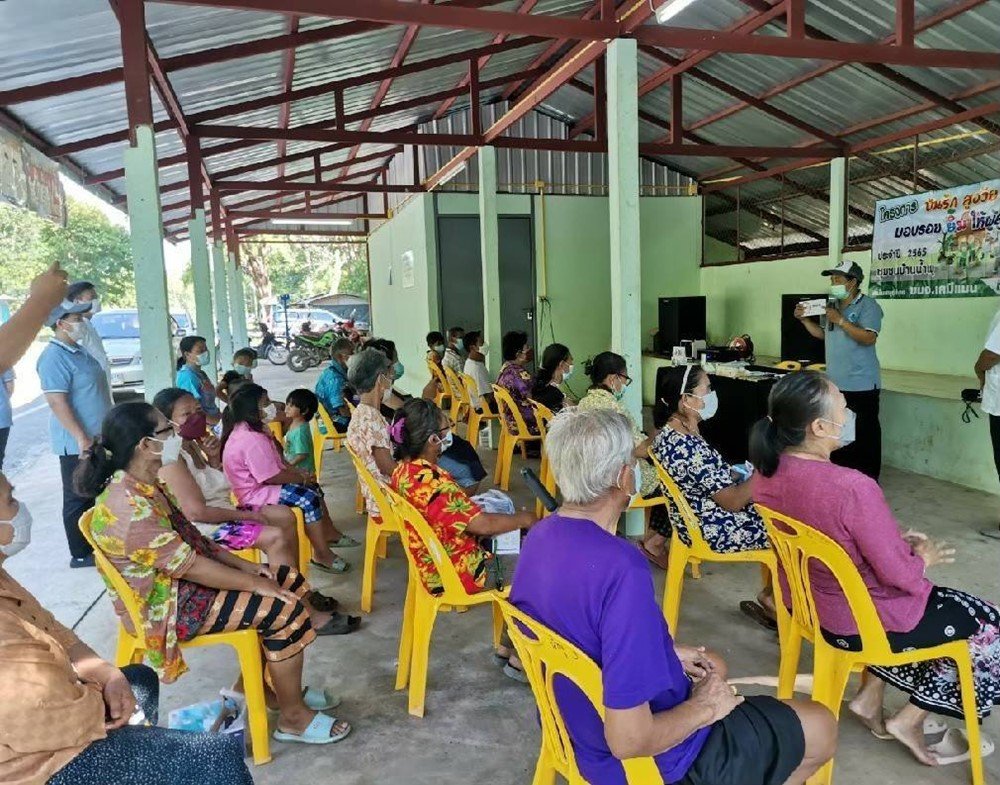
(681, 319)
(796, 342)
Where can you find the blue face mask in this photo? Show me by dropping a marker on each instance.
(847, 428)
(397, 370)
(460, 344)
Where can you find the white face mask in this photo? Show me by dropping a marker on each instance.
(446, 441)
(21, 524)
(568, 372)
(847, 428)
(270, 412)
(95, 306)
(711, 404)
(484, 349)
(171, 449)
(75, 330)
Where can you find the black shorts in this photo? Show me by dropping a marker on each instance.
(759, 743)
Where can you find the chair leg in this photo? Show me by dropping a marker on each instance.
(472, 429)
(966, 680)
(498, 470)
(790, 643)
(368, 574)
(505, 457)
(696, 569)
(674, 584)
(127, 652)
(359, 500)
(545, 772)
(425, 613)
(406, 637)
(383, 545)
(252, 670)
(508, 463)
(497, 625)
(305, 547)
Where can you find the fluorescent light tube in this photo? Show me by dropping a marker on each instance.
(313, 221)
(670, 9)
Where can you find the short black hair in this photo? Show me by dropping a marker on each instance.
(472, 338)
(246, 352)
(454, 332)
(512, 343)
(434, 337)
(77, 288)
(305, 401)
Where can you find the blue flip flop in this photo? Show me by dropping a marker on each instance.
(319, 700)
(317, 732)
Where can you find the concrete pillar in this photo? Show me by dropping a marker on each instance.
(146, 235)
(489, 239)
(237, 308)
(219, 265)
(838, 209)
(623, 193)
(201, 274)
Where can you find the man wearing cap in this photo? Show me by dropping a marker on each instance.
(76, 389)
(851, 328)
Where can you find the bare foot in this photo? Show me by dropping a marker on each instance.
(912, 738)
(870, 713)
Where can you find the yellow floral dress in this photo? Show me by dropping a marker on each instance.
(599, 398)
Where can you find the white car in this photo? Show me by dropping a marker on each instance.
(319, 320)
(119, 332)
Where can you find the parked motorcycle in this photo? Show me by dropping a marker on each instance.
(309, 350)
(271, 348)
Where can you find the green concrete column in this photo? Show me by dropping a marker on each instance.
(489, 239)
(245, 309)
(222, 304)
(623, 193)
(838, 209)
(201, 273)
(237, 308)
(146, 236)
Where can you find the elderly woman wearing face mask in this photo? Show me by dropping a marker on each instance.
(370, 373)
(67, 715)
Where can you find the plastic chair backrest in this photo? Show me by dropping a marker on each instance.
(472, 392)
(413, 522)
(114, 578)
(789, 365)
(506, 401)
(439, 376)
(455, 385)
(797, 546)
(318, 442)
(350, 406)
(324, 416)
(679, 500)
(275, 428)
(545, 655)
(376, 488)
(543, 415)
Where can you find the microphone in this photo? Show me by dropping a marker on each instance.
(536, 487)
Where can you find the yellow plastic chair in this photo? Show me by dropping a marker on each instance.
(421, 607)
(817, 367)
(359, 499)
(460, 401)
(132, 647)
(510, 439)
(331, 434)
(543, 416)
(545, 655)
(443, 388)
(797, 545)
(305, 547)
(479, 412)
(789, 365)
(276, 429)
(377, 533)
(681, 555)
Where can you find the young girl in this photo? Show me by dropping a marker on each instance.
(259, 476)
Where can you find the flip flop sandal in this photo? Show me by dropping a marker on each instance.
(993, 534)
(319, 700)
(322, 603)
(954, 747)
(515, 673)
(932, 727)
(339, 624)
(657, 560)
(345, 541)
(758, 614)
(317, 732)
(339, 566)
(499, 659)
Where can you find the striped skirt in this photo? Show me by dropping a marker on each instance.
(285, 628)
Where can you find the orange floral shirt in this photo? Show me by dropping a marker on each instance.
(448, 510)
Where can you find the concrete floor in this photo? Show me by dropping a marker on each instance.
(479, 725)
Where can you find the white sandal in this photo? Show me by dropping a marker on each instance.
(954, 747)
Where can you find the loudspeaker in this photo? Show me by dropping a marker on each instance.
(796, 342)
(681, 319)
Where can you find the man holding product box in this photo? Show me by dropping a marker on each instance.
(851, 328)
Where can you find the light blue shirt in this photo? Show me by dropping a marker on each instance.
(72, 371)
(852, 366)
(196, 382)
(6, 415)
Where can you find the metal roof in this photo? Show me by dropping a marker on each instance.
(51, 40)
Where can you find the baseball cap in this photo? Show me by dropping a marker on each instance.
(848, 270)
(64, 309)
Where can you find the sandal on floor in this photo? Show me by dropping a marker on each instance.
(319, 700)
(339, 566)
(756, 612)
(933, 726)
(656, 559)
(339, 624)
(954, 747)
(499, 659)
(345, 541)
(515, 673)
(993, 534)
(322, 603)
(317, 732)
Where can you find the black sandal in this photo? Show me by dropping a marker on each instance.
(322, 603)
(756, 612)
(339, 624)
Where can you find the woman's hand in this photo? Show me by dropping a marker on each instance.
(266, 587)
(934, 552)
(212, 447)
(696, 664)
(118, 699)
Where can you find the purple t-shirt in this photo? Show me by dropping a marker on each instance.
(596, 591)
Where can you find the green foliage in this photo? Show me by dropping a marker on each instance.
(306, 270)
(89, 248)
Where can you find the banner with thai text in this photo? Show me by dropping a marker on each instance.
(30, 180)
(938, 244)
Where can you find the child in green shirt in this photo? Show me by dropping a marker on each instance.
(300, 407)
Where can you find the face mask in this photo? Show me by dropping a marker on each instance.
(270, 412)
(567, 373)
(484, 348)
(439, 348)
(636, 484)
(253, 363)
(387, 396)
(95, 306)
(620, 392)
(193, 427)
(711, 405)
(446, 441)
(460, 344)
(171, 449)
(397, 370)
(838, 291)
(75, 330)
(847, 428)
(242, 370)
(204, 359)
(21, 524)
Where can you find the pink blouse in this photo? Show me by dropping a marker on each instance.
(249, 459)
(850, 508)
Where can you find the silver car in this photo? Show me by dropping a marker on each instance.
(119, 332)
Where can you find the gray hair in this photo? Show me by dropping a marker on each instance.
(587, 449)
(364, 368)
(342, 346)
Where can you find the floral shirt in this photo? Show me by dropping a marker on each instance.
(141, 531)
(448, 510)
(700, 472)
(599, 398)
(518, 382)
(367, 430)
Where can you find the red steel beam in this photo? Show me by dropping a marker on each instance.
(676, 110)
(331, 187)
(397, 12)
(904, 22)
(321, 201)
(267, 215)
(295, 232)
(138, 98)
(288, 79)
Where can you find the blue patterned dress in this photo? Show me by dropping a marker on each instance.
(700, 472)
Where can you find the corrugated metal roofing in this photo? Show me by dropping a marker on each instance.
(57, 39)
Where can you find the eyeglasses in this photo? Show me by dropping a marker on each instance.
(444, 429)
(167, 429)
(626, 377)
